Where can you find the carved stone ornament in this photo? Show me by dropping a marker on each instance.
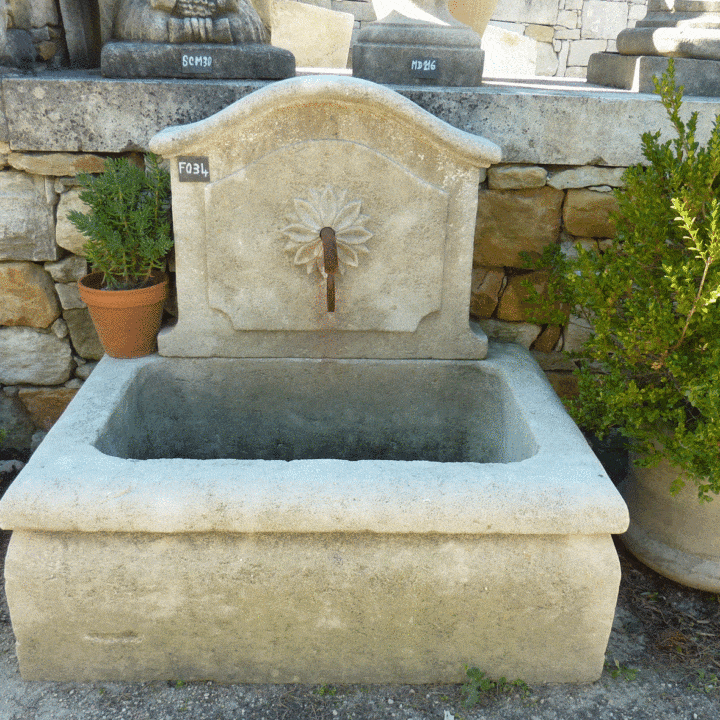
(326, 208)
(189, 21)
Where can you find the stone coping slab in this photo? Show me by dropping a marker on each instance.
(70, 485)
(546, 121)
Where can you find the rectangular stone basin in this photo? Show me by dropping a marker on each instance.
(321, 521)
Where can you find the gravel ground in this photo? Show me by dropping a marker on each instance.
(662, 663)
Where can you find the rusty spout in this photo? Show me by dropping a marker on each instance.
(331, 263)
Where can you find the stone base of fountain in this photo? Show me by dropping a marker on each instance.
(471, 525)
(636, 72)
(196, 60)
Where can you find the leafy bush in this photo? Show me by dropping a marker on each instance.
(128, 226)
(652, 366)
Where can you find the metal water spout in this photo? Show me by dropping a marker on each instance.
(331, 263)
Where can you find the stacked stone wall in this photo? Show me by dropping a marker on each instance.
(48, 346)
(567, 32)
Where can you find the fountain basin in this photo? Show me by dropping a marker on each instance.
(246, 521)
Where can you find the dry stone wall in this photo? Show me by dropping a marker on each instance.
(48, 345)
(47, 342)
(567, 32)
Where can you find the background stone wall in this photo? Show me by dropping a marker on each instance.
(48, 345)
(567, 32)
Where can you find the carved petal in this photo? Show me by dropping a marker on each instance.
(347, 216)
(307, 253)
(307, 214)
(354, 235)
(347, 255)
(299, 233)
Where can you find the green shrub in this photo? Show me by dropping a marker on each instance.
(128, 226)
(652, 367)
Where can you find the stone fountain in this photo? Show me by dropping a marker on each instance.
(326, 475)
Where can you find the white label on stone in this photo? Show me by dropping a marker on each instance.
(194, 169)
(196, 63)
(424, 67)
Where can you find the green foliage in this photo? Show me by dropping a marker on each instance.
(617, 670)
(3, 435)
(478, 685)
(128, 226)
(707, 682)
(652, 300)
(325, 691)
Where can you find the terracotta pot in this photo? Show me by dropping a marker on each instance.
(127, 321)
(675, 535)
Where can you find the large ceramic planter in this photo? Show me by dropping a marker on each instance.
(675, 535)
(127, 321)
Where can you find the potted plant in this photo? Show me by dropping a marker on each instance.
(129, 236)
(651, 369)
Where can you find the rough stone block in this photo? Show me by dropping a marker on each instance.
(547, 60)
(514, 305)
(547, 341)
(361, 11)
(564, 384)
(16, 423)
(520, 333)
(511, 222)
(31, 357)
(538, 12)
(27, 295)
(587, 213)
(67, 235)
(516, 177)
(636, 73)
(46, 405)
(581, 50)
(576, 332)
(27, 218)
(541, 33)
(585, 177)
(57, 164)
(69, 295)
(316, 37)
(485, 291)
(508, 54)
(69, 269)
(603, 19)
(83, 335)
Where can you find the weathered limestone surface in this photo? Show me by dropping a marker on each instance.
(584, 177)
(341, 153)
(27, 223)
(69, 295)
(15, 421)
(346, 546)
(522, 333)
(587, 213)
(599, 127)
(306, 606)
(516, 177)
(66, 234)
(316, 36)
(27, 295)
(511, 222)
(57, 164)
(82, 333)
(45, 405)
(69, 269)
(514, 305)
(31, 357)
(486, 286)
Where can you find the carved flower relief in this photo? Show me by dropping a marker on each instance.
(326, 208)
